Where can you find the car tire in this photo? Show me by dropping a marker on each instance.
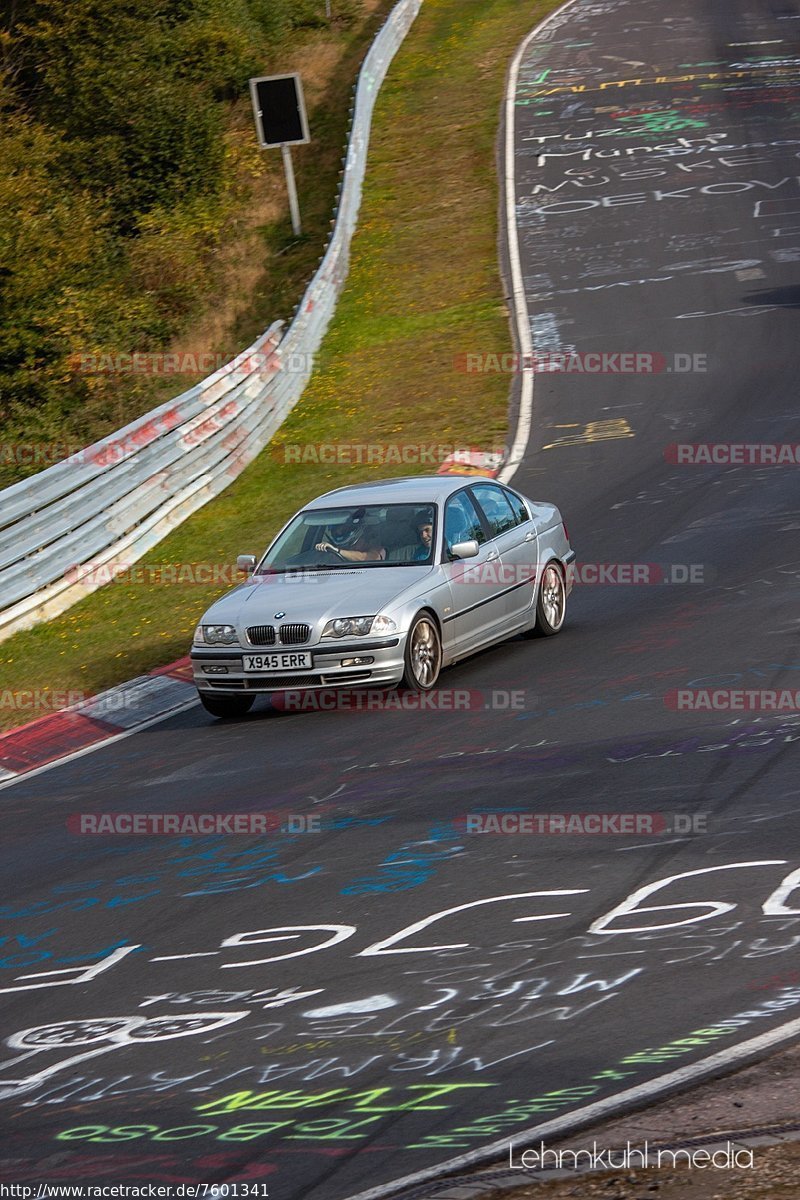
(551, 603)
(423, 655)
(226, 706)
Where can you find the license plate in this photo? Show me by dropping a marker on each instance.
(284, 660)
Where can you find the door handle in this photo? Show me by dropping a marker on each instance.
(530, 537)
(492, 555)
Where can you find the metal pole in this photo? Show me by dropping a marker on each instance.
(291, 188)
(328, 9)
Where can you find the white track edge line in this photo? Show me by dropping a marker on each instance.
(520, 304)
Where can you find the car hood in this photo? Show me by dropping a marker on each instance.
(314, 598)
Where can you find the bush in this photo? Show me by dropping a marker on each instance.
(122, 167)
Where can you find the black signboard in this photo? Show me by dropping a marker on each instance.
(279, 110)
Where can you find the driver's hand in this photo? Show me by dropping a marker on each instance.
(323, 546)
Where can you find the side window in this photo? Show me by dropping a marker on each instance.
(496, 507)
(518, 505)
(461, 521)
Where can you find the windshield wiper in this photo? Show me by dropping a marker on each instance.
(311, 568)
(304, 570)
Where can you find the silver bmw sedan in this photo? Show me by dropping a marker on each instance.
(382, 584)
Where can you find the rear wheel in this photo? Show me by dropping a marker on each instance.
(226, 706)
(423, 655)
(551, 603)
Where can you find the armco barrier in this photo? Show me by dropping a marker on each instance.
(115, 500)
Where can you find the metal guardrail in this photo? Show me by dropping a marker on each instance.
(112, 502)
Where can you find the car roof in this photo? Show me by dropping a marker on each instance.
(415, 489)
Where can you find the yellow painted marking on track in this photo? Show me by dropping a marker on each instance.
(622, 83)
(594, 431)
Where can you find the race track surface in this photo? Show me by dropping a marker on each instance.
(379, 989)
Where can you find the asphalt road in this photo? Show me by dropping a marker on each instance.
(373, 989)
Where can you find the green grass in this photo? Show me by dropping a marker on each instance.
(424, 287)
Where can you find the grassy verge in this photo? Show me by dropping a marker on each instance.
(424, 288)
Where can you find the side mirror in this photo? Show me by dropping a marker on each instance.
(246, 563)
(468, 549)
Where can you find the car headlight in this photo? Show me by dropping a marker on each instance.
(383, 624)
(348, 627)
(218, 635)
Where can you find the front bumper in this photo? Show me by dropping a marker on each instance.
(218, 669)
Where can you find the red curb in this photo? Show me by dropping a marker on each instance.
(180, 669)
(57, 735)
(48, 738)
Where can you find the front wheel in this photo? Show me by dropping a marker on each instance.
(551, 603)
(226, 706)
(423, 655)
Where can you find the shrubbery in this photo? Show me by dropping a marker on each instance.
(120, 170)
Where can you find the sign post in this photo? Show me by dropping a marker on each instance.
(291, 188)
(281, 120)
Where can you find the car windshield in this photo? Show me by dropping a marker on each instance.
(374, 535)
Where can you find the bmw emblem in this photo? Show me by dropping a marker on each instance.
(279, 615)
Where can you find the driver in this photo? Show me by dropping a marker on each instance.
(361, 551)
(355, 541)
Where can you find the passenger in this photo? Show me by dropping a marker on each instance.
(420, 551)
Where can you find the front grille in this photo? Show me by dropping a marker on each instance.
(294, 635)
(261, 635)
